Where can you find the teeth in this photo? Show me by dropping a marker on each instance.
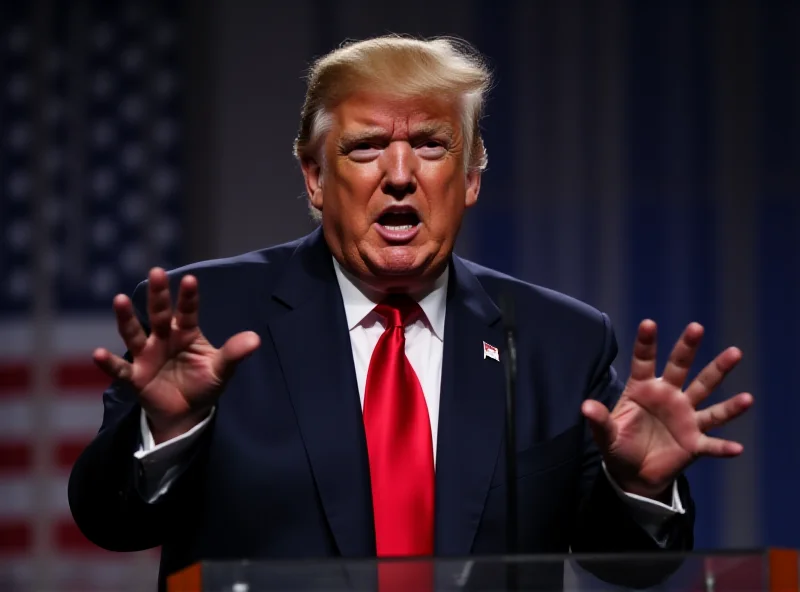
(399, 228)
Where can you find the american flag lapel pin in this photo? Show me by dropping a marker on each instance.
(490, 351)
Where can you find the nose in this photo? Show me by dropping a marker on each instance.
(399, 178)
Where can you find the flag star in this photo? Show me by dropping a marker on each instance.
(19, 234)
(104, 282)
(165, 132)
(103, 85)
(19, 185)
(133, 157)
(166, 232)
(103, 183)
(104, 233)
(53, 211)
(18, 39)
(18, 284)
(104, 134)
(165, 35)
(133, 59)
(133, 208)
(19, 136)
(133, 109)
(103, 36)
(17, 87)
(132, 260)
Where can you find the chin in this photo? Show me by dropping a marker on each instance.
(402, 267)
(393, 272)
(399, 260)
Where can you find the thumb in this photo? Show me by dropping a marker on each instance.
(604, 430)
(236, 349)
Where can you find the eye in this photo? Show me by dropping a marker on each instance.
(431, 149)
(363, 152)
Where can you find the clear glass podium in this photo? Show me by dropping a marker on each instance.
(756, 570)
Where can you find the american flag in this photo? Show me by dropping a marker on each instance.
(90, 198)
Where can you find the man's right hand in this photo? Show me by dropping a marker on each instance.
(177, 374)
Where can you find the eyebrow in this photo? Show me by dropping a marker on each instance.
(363, 135)
(423, 130)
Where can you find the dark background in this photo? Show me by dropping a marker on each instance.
(643, 156)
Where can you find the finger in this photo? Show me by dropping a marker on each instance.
(236, 349)
(718, 447)
(159, 305)
(643, 366)
(128, 325)
(718, 415)
(186, 314)
(604, 430)
(682, 356)
(114, 366)
(712, 375)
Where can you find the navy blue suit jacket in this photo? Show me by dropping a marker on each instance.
(282, 470)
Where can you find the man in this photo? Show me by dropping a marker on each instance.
(345, 396)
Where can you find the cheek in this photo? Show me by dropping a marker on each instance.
(357, 182)
(345, 184)
(445, 191)
(349, 193)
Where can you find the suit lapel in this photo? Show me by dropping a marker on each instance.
(315, 354)
(471, 415)
(314, 350)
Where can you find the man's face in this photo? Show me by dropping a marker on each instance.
(392, 188)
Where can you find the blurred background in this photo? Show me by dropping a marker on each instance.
(644, 156)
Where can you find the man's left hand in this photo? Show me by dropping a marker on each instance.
(655, 431)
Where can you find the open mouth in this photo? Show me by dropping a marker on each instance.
(398, 226)
(399, 221)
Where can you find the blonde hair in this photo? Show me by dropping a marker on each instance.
(402, 67)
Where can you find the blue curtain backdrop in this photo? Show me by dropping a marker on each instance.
(644, 157)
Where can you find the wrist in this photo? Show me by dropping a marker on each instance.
(633, 484)
(164, 429)
(663, 495)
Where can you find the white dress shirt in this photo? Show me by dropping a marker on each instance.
(161, 464)
(424, 337)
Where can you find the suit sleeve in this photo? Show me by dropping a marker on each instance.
(103, 494)
(605, 523)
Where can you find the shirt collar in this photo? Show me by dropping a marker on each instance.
(359, 300)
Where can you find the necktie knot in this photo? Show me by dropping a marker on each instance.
(399, 310)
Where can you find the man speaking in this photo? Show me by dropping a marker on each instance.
(344, 394)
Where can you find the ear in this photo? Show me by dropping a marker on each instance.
(312, 173)
(473, 187)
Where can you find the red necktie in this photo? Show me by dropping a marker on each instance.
(399, 440)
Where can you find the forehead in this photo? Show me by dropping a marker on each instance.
(372, 110)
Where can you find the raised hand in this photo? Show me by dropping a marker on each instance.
(655, 431)
(177, 374)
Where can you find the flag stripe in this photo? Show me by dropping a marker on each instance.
(68, 375)
(69, 539)
(15, 457)
(80, 375)
(18, 493)
(18, 457)
(71, 336)
(14, 377)
(91, 184)
(66, 416)
(68, 451)
(16, 537)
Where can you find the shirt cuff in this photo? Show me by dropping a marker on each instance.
(159, 465)
(650, 514)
